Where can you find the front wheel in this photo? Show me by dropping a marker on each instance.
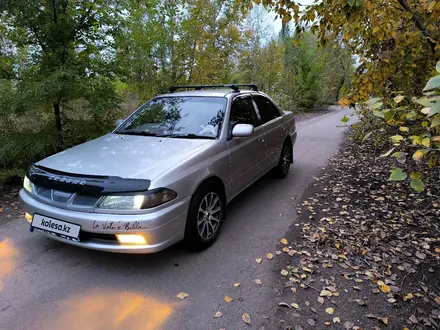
(206, 213)
(282, 168)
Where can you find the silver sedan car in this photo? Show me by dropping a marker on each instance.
(165, 174)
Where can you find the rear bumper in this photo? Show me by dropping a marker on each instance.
(161, 228)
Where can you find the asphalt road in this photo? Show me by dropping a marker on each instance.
(48, 285)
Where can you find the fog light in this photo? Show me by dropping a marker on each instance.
(28, 217)
(131, 239)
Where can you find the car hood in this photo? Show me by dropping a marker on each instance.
(126, 156)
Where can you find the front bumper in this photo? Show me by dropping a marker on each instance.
(161, 228)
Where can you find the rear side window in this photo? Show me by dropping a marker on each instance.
(266, 108)
(242, 112)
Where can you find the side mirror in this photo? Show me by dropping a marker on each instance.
(118, 122)
(242, 130)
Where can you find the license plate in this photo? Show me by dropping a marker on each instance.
(56, 226)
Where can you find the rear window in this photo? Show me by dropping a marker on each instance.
(266, 108)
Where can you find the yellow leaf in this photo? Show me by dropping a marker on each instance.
(342, 256)
(383, 287)
(303, 276)
(408, 296)
(404, 129)
(383, 319)
(246, 318)
(337, 245)
(325, 293)
(320, 300)
(294, 305)
(437, 250)
(418, 155)
(307, 269)
(286, 249)
(236, 285)
(336, 320)
(182, 295)
(437, 300)
(435, 138)
(426, 142)
(399, 98)
(330, 310)
(327, 323)
(228, 299)
(283, 241)
(269, 256)
(218, 314)
(284, 272)
(259, 260)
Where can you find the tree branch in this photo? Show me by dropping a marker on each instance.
(34, 30)
(419, 24)
(85, 17)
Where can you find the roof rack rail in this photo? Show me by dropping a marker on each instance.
(234, 87)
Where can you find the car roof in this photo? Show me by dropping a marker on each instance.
(208, 93)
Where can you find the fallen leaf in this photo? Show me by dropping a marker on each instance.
(392, 300)
(303, 276)
(294, 305)
(284, 304)
(307, 270)
(327, 323)
(320, 300)
(420, 255)
(236, 285)
(326, 293)
(311, 322)
(336, 320)
(330, 310)
(408, 296)
(356, 288)
(269, 256)
(348, 325)
(284, 241)
(277, 252)
(437, 250)
(182, 295)
(384, 320)
(360, 302)
(293, 290)
(228, 299)
(259, 260)
(383, 287)
(286, 249)
(218, 314)
(246, 318)
(437, 300)
(258, 281)
(1, 209)
(284, 272)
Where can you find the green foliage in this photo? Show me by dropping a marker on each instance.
(412, 126)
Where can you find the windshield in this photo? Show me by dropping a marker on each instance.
(188, 117)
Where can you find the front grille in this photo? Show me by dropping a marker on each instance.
(59, 197)
(86, 236)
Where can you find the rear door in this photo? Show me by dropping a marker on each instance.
(247, 154)
(273, 125)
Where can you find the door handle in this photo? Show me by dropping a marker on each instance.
(261, 140)
(283, 128)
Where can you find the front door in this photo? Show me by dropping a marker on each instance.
(247, 154)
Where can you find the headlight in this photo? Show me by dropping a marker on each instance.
(27, 184)
(138, 202)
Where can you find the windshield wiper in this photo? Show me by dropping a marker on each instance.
(189, 136)
(139, 133)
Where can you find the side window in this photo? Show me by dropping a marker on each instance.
(242, 112)
(267, 109)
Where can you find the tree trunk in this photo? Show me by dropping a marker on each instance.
(339, 89)
(57, 114)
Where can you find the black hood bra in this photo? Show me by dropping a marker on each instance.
(93, 185)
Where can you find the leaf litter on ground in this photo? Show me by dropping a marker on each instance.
(376, 241)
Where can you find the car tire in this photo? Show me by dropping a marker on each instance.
(206, 213)
(282, 168)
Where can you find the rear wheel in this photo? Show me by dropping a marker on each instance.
(282, 168)
(206, 213)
